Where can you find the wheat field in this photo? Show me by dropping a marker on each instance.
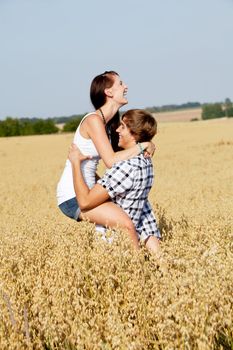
(62, 287)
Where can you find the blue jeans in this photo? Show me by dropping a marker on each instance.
(70, 208)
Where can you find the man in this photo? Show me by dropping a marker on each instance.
(128, 182)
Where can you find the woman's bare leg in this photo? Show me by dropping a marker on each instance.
(109, 214)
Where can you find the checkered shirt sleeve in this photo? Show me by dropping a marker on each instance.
(118, 179)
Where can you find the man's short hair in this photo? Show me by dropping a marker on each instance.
(142, 124)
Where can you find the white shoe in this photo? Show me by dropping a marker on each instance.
(102, 230)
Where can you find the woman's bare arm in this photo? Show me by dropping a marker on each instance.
(97, 133)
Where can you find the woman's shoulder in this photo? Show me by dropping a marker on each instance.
(91, 127)
(89, 115)
(91, 118)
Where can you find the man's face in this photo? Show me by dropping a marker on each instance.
(126, 139)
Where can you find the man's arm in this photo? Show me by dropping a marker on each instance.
(87, 199)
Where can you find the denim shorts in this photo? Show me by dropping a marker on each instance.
(70, 208)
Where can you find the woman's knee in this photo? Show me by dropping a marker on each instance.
(127, 224)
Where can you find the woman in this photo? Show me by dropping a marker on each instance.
(108, 94)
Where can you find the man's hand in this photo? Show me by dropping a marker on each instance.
(75, 154)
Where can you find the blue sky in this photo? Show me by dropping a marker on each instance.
(167, 51)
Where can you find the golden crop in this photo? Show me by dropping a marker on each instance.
(62, 287)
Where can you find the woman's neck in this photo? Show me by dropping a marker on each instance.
(109, 111)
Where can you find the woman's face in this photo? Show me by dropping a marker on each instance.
(119, 91)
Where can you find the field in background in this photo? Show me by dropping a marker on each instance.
(175, 116)
(64, 288)
(185, 115)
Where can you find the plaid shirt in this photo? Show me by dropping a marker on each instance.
(128, 184)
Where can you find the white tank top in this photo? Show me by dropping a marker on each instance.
(65, 187)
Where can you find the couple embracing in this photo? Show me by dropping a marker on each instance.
(120, 197)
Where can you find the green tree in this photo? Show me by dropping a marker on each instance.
(44, 127)
(15, 127)
(213, 110)
(228, 108)
(26, 128)
(72, 125)
(10, 127)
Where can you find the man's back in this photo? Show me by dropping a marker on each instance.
(128, 184)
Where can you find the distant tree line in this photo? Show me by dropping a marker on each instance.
(209, 110)
(65, 119)
(173, 107)
(35, 126)
(18, 127)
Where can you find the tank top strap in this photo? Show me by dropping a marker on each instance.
(85, 116)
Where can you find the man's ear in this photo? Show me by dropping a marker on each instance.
(108, 92)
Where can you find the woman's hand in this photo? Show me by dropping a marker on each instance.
(75, 154)
(150, 150)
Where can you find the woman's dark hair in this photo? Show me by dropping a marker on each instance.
(111, 127)
(98, 85)
(98, 99)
